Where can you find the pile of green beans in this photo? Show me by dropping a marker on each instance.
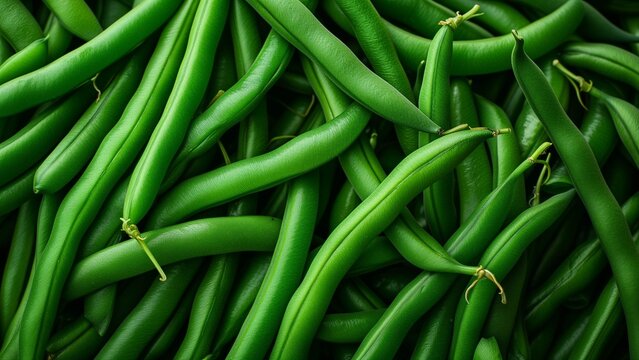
(319, 179)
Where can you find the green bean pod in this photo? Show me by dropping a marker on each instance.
(603, 210)
(74, 151)
(437, 327)
(17, 25)
(491, 55)
(18, 262)
(16, 192)
(77, 17)
(427, 13)
(59, 39)
(607, 60)
(82, 202)
(497, 16)
(603, 326)
(487, 349)
(241, 300)
(344, 328)
(500, 257)
(435, 101)
(236, 102)
(473, 174)
(260, 327)
(81, 64)
(625, 116)
(171, 244)
(528, 129)
(40, 135)
(206, 311)
(427, 288)
(574, 274)
(347, 241)
(594, 25)
(353, 295)
(26, 60)
(253, 174)
(350, 74)
(151, 313)
(162, 343)
(182, 104)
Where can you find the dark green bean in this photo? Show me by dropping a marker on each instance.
(427, 14)
(151, 313)
(492, 55)
(18, 262)
(82, 202)
(17, 25)
(603, 210)
(344, 245)
(206, 311)
(76, 16)
(74, 151)
(349, 73)
(81, 64)
(347, 327)
(500, 257)
(33, 57)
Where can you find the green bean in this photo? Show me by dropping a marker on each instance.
(605, 59)
(207, 128)
(17, 25)
(353, 295)
(18, 262)
(172, 244)
(347, 327)
(473, 174)
(241, 300)
(82, 63)
(345, 202)
(259, 328)
(529, 130)
(570, 333)
(427, 288)
(497, 16)
(602, 208)
(594, 26)
(603, 327)
(376, 212)
(316, 42)
(380, 253)
(487, 348)
(76, 16)
(76, 340)
(161, 345)
(40, 135)
(437, 327)
(59, 39)
(500, 257)
(427, 14)
(519, 346)
(153, 311)
(73, 152)
(574, 274)
(82, 202)
(16, 192)
(109, 12)
(492, 55)
(246, 176)
(32, 57)
(182, 104)
(206, 311)
(501, 319)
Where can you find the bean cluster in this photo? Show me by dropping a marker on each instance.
(335, 179)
